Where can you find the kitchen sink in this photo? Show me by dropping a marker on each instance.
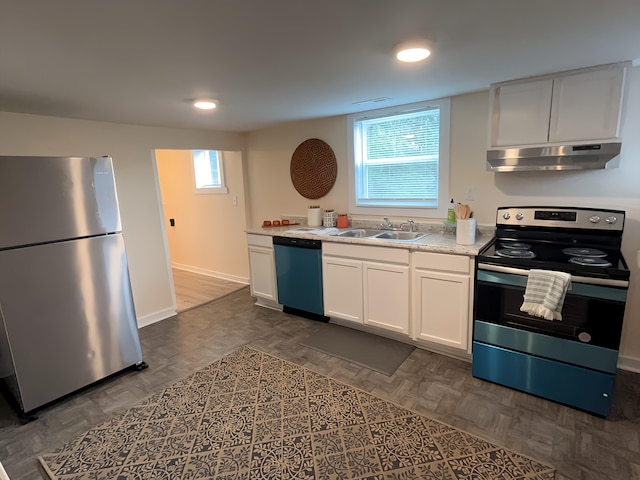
(401, 236)
(359, 233)
(398, 236)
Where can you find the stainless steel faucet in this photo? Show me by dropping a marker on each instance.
(387, 223)
(412, 224)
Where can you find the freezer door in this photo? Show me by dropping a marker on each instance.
(68, 314)
(46, 199)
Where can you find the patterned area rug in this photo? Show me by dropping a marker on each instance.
(251, 415)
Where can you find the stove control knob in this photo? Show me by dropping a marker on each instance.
(506, 215)
(594, 219)
(519, 216)
(611, 220)
(584, 337)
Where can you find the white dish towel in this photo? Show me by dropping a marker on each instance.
(324, 231)
(545, 292)
(3, 474)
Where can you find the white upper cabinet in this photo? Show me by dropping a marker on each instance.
(521, 112)
(586, 106)
(581, 105)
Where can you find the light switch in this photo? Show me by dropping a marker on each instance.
(234, 200)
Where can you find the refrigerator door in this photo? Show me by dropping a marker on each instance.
(47, 199)
(68, 314)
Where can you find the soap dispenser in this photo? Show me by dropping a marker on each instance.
(451, 213)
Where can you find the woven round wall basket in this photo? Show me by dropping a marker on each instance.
(313, 168)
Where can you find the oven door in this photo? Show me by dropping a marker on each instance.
(571, 361)
(592, 313)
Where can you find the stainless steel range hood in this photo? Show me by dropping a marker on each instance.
(558, 157)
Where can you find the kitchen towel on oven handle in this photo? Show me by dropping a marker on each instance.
(545, 292)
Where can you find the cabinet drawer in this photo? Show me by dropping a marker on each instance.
(365, 252)
(442, 261)
(260, 240)
(575, 386)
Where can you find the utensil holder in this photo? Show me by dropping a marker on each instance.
(466, 231)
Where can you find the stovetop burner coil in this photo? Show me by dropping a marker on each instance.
(590, 261)
(515, 245)
(584, 252)
(515, 253)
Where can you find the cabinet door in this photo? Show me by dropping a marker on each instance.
(262, 270)
(342, 285)
(386, 296)
(441, 308)
(586, 106)
(520, 113)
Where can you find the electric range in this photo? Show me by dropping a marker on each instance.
(572, 360)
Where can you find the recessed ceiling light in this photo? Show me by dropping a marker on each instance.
(205, 104)
(414, 51)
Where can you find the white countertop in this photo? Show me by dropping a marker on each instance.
(442, 240)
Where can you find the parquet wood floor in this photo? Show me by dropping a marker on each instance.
(579, 445)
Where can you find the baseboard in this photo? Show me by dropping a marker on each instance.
(262, 302)
(155, 317)
(632, 364)
(210, 273)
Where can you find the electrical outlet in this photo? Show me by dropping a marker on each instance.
(471, 193)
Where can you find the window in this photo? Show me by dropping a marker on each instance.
(399, 159)
(208, 171)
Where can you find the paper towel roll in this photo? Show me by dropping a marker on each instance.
(314, 217)
(466, 231)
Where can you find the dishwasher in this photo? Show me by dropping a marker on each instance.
(299, 276)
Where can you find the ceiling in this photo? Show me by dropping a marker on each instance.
(269, 61)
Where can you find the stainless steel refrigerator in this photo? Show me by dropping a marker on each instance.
(66, 307)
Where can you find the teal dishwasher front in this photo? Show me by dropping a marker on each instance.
(299, 274)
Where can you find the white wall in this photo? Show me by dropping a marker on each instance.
(132, 150)
(209, 232)
(272, 194)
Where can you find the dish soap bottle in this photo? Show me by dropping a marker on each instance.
(451, 213)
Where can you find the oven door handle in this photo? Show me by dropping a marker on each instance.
(586, 280)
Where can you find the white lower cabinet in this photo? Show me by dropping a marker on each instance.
(367, 285)
(262, 270)
(441, 297)
(342, 285)
(386, 296)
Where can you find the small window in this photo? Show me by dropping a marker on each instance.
(208, 171)
(400, 159)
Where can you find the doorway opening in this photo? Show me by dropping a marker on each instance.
(203, 203)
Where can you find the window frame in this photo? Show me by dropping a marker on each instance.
(222, 189)
(436, 211)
